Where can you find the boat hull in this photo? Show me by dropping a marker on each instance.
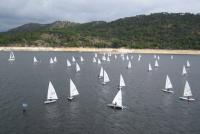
(167, 91)
(11, 59)
(115, 106)
(187, 99)
(49, 101)
(70, 98)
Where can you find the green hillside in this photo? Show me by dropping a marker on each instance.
(159, 30)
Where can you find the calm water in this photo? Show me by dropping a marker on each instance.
(150, 111)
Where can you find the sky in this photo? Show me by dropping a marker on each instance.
(14, 13)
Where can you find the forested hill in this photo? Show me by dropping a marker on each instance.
(158, 30)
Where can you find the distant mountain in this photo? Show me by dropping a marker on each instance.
(158, 30)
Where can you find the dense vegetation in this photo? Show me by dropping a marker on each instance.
(159, 30)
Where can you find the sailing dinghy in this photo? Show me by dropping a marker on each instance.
(187, 94)
(121, 82)
(168, 85)
(101, 73)
(105, 77)
(72, 91)
(117, 101)
(12, 57)
(51, 94)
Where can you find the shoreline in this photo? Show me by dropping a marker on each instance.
(112, 50)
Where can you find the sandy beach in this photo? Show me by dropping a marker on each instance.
(112, 50)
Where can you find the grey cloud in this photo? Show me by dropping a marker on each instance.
(18, 12)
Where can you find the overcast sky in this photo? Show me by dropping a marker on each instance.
(17, 12)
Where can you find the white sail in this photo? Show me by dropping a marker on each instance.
(94, 60)
(55, 59)
(121, 82)
(158, 57)
(122, 57)
(127, 58)
(118, 99)
(150, 68)
(139, 57)
(68, 63)
(129, 64)
(81, 58)
(73, 59)
(73, 89)
(51, 95)
(187, 90)
(77, 67)
(184, 71)
(172, 57)
(131, 57)
(35, 60)
(99, 62)
(105, 77)
(156, 63)
(103, 57)
(155, 56)
(115, 56)
(101, 73)
(168, 84)
(108, 59)
(95, 55)
(51, 61)
(12, 56)
(188, 64)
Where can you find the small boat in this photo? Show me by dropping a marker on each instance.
(187, 94)
(127, 58)
(12, 57)
(94, 60)
(158, 57)
(139, 57)
(115, 56)
(184, 72)
(99, 61)
(155, 57)
(72, 91)
(129, 65)
(150, 68)
(117, 101)
(101, 73)
(95, 55)
(108, 59)
(156, 63)
(51, 94)
(168, 85)
(55, 59)
(105, 77)
(35, 60)
(188, 64)
(172, 57)
(68, 63)
(103, 58)
(77, 67)
(81, 58)
(73, 59)
(121, 82)
(51, 61)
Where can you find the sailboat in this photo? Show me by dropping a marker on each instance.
(77, 67)
(12, 57)
(129, 65)
(121, 82)
(81, 58)
(127, 58)
(55, 59)
(94, 60)
(35, 60)
(73, 59)
(101, 73)
(184, 72)
(172, 57)
(188, 64)
(99, 62)
(156, 63)
(72, 91)
(51, 61)
(95, 55)
(150, 68)
(51, 94)
(187, 94)
(115, 56)
(158, 57)
(108, 59)
(168, 85)
(68, 63)
(155, 56)
(117, 101)
(105, 78)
